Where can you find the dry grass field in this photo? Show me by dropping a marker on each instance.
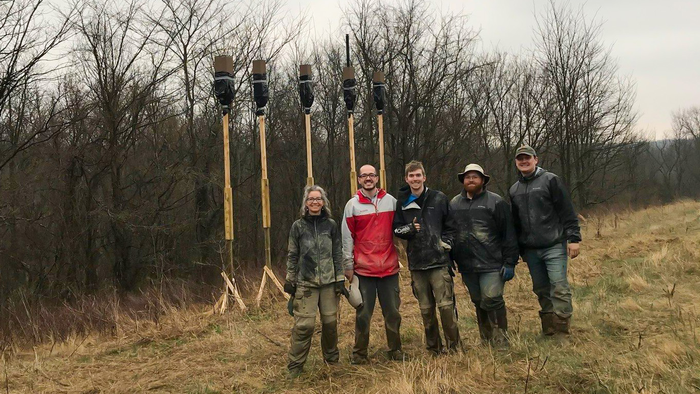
(635, 330)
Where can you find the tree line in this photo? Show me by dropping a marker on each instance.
(111, 140)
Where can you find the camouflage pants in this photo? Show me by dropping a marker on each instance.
(307, 301)
(435, 287)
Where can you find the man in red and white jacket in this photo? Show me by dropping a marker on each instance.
(369, 253)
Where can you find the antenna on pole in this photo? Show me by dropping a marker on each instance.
(347, 49)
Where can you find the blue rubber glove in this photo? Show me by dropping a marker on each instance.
(507, 272)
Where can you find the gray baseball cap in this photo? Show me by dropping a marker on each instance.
(525, 150)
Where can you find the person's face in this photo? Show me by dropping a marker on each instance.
(367, 178)
(314, 203)
(526, 163)
(473, 182)
(415, 180)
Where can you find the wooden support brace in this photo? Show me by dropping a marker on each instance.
(267, 272)
(234, 291)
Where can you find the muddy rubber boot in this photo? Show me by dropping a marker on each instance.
(561, 324)
(499, 324)
(547, 324)
(485, 329)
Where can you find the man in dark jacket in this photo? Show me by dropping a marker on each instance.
(485, 250)
(548, 231)
(422, 218)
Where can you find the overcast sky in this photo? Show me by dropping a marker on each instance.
(655, 42)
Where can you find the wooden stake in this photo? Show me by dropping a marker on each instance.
(382, 170)
(309, 163)
(265, 196)
(353, 171)
(228, 194)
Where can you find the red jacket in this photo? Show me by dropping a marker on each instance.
(368, 236)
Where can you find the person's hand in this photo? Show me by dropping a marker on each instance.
(416, 225)
(573, 249)
(507, 272)
(349, 274)
(289, 288)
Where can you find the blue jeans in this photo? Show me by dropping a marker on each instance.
(548, 271)
(485, 289)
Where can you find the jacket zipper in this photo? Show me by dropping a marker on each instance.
(318, 252)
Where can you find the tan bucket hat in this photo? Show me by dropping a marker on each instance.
(473, 167)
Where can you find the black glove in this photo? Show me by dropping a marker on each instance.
(340, 289)
(289, 288)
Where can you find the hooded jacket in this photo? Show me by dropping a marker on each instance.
(431, 210)
(368, 239)
(315, 252)
(542, 211)
(485, 240)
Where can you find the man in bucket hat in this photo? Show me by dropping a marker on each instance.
(548, 231)
(485, 250)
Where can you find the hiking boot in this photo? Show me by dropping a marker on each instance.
(561, 324)
(547, 324)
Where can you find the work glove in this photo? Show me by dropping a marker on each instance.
(289, 288)
(507, 272)
(340, 289)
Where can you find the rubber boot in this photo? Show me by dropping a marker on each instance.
(561, 324)
(485, 329)
(547, 324)
(499, 323)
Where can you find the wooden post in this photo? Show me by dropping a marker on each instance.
(349, 75)
(309, 163)
(378, 81)
(223, 67)
(259, 69)
(382, 170)
(307, 98)
(353, 171)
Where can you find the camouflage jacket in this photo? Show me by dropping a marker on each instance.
(315, 252)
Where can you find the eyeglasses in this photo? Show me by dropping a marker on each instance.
(314, 199)
(363, 176)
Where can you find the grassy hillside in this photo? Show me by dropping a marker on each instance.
(635, 330)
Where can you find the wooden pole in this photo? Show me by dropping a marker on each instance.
(351, 138)
(378, 87)
(260, 96)
(223, 67)
(265, 194)
(382, 169)
(309, 163)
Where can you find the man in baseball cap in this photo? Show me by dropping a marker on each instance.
(485, 250)
(548, 232)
